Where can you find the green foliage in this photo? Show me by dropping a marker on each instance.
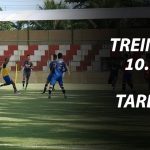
(51, 4)
(114, 23)
(80, 24)
(50, 25)
(20, 25)
(75, 1)
(6, 26)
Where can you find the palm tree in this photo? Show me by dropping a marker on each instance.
(6, 26)
(50, 25)
(20, 25)
(109, 23)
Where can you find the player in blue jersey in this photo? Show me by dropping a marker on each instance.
(52, 63)
(59, 68)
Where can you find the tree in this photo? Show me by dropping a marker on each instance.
(6, 26)
(51, 4)
(111, 23)
(50, 25)
(20, 25)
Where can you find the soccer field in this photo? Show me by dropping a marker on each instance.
(87, 120)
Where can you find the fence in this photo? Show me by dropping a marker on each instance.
(78, 57)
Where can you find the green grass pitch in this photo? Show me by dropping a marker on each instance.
(87, 120)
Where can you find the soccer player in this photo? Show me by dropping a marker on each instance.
(6, 77)
(57, 75)
(52, 63)
(27, 68)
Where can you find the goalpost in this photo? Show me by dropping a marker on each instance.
(76, 14)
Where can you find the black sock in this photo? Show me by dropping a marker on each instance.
(15, 90)
(23, 82)
(53, 87)
(63, 90)
(3, 84)
(50, 90)
(26, 84)
(45, 88)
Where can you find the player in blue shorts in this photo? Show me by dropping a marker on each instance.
(6, 77)
(57, 74)
(52, 63)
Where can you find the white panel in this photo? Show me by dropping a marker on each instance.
(20, 52)
(34, 63)
(63, 51)
(9, 64)
(42, 53)
(1, 52)
(32, 57)
(64, 47)
(43, 47)
(16, 52)
(12, 58)
(57, 51)
(36, 58)
(3, 47)
(17, 58)
(16, 55)
(45, 68)
(22, 47)
(12, 63)
(36, 53)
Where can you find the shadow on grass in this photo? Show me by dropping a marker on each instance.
(86, 117)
